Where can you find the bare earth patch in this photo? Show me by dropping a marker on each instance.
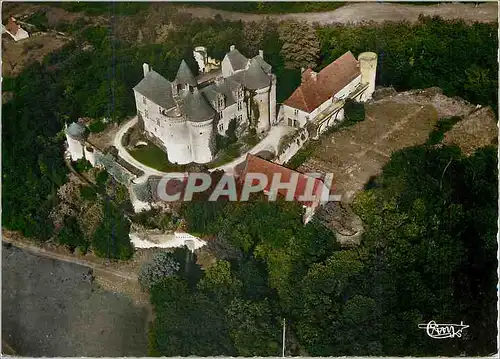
(356, 153)
(18, 55)
(476, 131)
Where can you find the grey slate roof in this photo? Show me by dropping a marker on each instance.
(255, 78)
(76, 130)
(185, 76)
(237, 60)
(265, 66)
(196, 107)
(156, 88)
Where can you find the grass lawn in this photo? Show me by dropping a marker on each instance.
(154, 157)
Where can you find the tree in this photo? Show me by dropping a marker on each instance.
(71, 235)
(163, 265)
(219, 282)
(300, 44)
(253, 329)
(111, 239)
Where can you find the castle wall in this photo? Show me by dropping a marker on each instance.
(90, 155)
(75, 148)
(177, 143)
(272, 101)
(202, 142)
(289, 114)
(261, 98)
(342, 94)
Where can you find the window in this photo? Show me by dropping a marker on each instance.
(144, 100)
(221, 127)
(239, 118)
(240, 105)
(221, 102)
(290, 122)
(146, 113)
(240, 93)
(158, 122)
(296, 123)
(220, 115)
(296, 112)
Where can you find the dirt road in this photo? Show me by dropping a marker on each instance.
(365, 12)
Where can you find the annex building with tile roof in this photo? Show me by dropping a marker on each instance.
(183, 116)
(320, 97)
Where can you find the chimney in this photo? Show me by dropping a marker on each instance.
(261, 53)
(302, 69)
(145, 68)
(232, 48)
(313, 75)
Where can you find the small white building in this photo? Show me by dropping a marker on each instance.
(183, 116)
(320, 97)
(14, 30)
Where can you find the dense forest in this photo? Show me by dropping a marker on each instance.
(428, 253)
(430, 244)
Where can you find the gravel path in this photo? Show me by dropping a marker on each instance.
(49, 310)
(364, 12)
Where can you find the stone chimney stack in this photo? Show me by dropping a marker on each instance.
(232, 48)
(313, 75)
(261, 53)
(145, 68)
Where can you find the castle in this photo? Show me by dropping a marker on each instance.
(184, 115)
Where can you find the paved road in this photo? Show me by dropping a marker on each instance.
(365, 12)
(123, 153)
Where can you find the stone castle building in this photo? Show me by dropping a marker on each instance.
(184, 115)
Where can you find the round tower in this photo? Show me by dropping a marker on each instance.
(263, 98)
(200, 55)
(75, 137)
(90, 155)
(368, 67)
(177, 141)
(202, 141)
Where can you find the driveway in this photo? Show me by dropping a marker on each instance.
(365, 12)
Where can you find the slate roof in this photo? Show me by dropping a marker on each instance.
(196, 107)
(237, 60)
(156, 88)
(185, 76)
(264, 65)
(254, 76)
(76, 130)
(255, 164)
(333, 78)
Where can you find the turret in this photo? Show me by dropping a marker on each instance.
(368, 67)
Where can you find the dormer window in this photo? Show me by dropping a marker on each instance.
(296, 112)
(220, 102)
(144, 100)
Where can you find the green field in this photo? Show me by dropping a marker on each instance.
(154, 157)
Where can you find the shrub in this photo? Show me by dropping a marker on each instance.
(82, 165)
(443, 126)
(97, 126)
(162, 266)
(353, 112)
(88, 193)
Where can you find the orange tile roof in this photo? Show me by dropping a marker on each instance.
(333, 78)
(12, 26)
(255, 164)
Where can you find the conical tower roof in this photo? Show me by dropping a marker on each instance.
(185, 76)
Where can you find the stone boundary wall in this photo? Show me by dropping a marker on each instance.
(290, 145)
